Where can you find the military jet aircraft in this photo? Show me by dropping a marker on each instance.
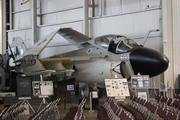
(94, 60)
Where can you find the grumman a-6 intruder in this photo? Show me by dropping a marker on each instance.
(94, 60)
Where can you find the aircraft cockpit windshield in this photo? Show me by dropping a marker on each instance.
(126, 45)
(18, 50)
(116, 43)
(104, 41)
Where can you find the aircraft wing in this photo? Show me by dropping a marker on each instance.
(76, 38)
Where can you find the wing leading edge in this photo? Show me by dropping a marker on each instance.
(76, 38)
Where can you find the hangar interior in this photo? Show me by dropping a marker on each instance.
(33, 19)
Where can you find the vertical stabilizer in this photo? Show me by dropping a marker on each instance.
(18, 47)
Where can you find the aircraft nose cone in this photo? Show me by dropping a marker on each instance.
(147, 61)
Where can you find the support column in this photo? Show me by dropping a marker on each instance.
(34, 21)
(86, 18)
(1, 27)
(10, 14)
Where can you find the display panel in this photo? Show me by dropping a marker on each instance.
(142, 93)
(116, 87)
(42, 88)
(70, 87)
(66, 85)
(140, 81)
(94, 94)
(24, 86)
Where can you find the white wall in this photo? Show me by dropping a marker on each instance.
(132, 18)
(171, 40)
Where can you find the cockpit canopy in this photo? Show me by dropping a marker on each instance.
(116, 43)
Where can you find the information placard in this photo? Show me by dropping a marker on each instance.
(116, 87)
(142, 93)
(140, 81)
(94, 94)
(70, 87)
(42, 88)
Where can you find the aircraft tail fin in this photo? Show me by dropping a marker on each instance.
(18, 47)
(24, 1)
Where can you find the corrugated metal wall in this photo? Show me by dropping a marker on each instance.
(171, 39)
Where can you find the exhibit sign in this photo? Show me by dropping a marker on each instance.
(142, 93)
(94, 94)
(70, 87)
(140, 81)
(116, 87)
(42, 88)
